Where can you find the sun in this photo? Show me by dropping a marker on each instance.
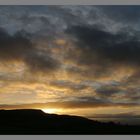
(51, 110)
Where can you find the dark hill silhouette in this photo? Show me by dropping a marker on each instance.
(37, 122)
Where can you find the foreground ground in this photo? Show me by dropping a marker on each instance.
(37, 122)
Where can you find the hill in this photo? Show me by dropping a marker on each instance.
(36, 122)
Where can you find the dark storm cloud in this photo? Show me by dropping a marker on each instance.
(103, 51)
(122, 13)
(19, 47)
(117, 48)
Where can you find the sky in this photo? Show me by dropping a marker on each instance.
(81, 60)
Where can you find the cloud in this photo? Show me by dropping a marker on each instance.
(20, 48)
(68, 105)
(129, 115)
(91, 99)
(101, 52)
(76, 44)
(117, 48)
(107, 91)
(125, 14)
(68, 85)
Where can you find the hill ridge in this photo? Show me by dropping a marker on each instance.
(36, 122)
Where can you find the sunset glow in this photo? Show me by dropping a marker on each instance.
(52, 111)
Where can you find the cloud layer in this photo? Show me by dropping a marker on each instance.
(70, 57)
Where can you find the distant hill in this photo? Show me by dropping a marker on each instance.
(36, 122)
